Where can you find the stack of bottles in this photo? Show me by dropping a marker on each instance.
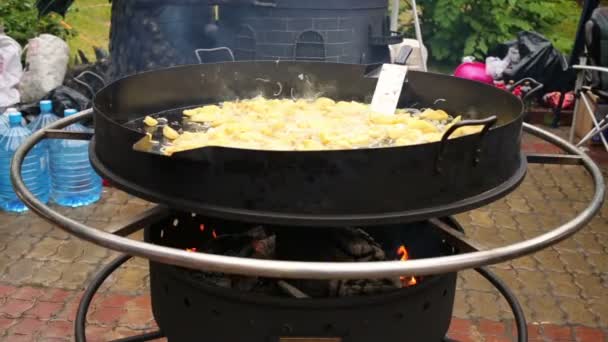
(58, 170)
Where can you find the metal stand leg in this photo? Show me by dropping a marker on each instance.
(454, 232)
(83, 308)
(518, 312)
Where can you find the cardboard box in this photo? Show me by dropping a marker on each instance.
(584, 123)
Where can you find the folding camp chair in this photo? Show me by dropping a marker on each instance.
(583, 91)
(592, 70)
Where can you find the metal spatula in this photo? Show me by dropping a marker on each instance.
(390, 83)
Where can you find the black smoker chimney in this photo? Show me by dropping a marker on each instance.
(151, 34)
(345, 31)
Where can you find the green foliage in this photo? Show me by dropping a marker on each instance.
(92, 20)
(456, 28)
(20, 21)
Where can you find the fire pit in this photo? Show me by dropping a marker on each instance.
(337, 310)
(309, 271)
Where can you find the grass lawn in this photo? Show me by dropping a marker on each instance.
(91, 19)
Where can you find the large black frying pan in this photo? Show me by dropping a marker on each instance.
(331, 188)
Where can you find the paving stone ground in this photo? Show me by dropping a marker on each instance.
(564, 289)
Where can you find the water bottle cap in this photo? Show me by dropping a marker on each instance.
(15, 118)
(46, 106)
(69, 112)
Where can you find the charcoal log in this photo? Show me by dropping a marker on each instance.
(291, 290)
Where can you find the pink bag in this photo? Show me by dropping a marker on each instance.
(475, 71)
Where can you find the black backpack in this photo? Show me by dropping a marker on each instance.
(596, 37)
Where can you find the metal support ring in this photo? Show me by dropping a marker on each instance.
(311, 270)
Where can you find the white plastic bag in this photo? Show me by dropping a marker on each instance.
(10, 71)
(47, 58)
(495, 67)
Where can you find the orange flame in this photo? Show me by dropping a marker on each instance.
(402, 252)
(191, 250)
(405, 256)
(214, 234)
(202, 227)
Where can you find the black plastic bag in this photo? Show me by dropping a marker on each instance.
(67, 98)
(540, 61)
(63, 98)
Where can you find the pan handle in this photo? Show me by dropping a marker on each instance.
(487, 124)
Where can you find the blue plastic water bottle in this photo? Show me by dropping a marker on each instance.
(45, 118)
(33, 169)
(74, 183)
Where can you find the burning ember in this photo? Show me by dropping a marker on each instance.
(202, 229)
(259, 242)
(405, 256)
(213, 232)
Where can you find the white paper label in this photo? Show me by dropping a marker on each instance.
(388, 89)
